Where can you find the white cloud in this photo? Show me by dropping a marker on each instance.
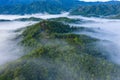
(97, 0)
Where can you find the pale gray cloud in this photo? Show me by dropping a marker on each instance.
(98, 0)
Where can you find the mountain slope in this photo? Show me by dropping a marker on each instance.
(14, 2)
(38, 6)
(58, 6)
(54, 52)
(97, 10)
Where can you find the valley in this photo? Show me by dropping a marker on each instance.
(60, 46)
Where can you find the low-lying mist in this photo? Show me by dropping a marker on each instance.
(109, 32)
(42, 16)
(105, 29)
(9, 50)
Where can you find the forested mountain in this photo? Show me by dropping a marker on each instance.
(60, 48)
(54, 52)
(97, 10)
(14, 2)
(57, 6)
(38, 6)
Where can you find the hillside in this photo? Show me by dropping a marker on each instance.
(38, 6)
(54, 52)
(14, 2)
(76, 7)
(97, 10)
(114, 16)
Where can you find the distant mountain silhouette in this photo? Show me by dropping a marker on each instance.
(53, 6)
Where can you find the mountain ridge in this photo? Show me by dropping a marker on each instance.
(57, 6)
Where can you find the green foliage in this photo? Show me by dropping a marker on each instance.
(58, 6)
(97, 10)
(35, 7)
(114, 17)
(2, 20)
(65, 19)
(39, 6)
(28, 19)
(56, 53)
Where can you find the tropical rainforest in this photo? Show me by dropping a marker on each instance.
(54, 52)
(59, 48)
(75, 7)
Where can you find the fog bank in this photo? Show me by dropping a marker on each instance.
(38, 15)
(105, 29)
(9, 50)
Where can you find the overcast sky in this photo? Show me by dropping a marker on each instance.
(96, 0)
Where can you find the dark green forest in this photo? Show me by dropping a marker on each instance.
(97, 10)
(54, 49)
(38, 6)
(54, 52)
(75, 7)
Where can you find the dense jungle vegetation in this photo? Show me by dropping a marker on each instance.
(54, 52)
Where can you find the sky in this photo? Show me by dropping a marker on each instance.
(97, 0)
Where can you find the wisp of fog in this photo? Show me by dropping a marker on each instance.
(42, 16)
(107, 30)
(9, 50)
